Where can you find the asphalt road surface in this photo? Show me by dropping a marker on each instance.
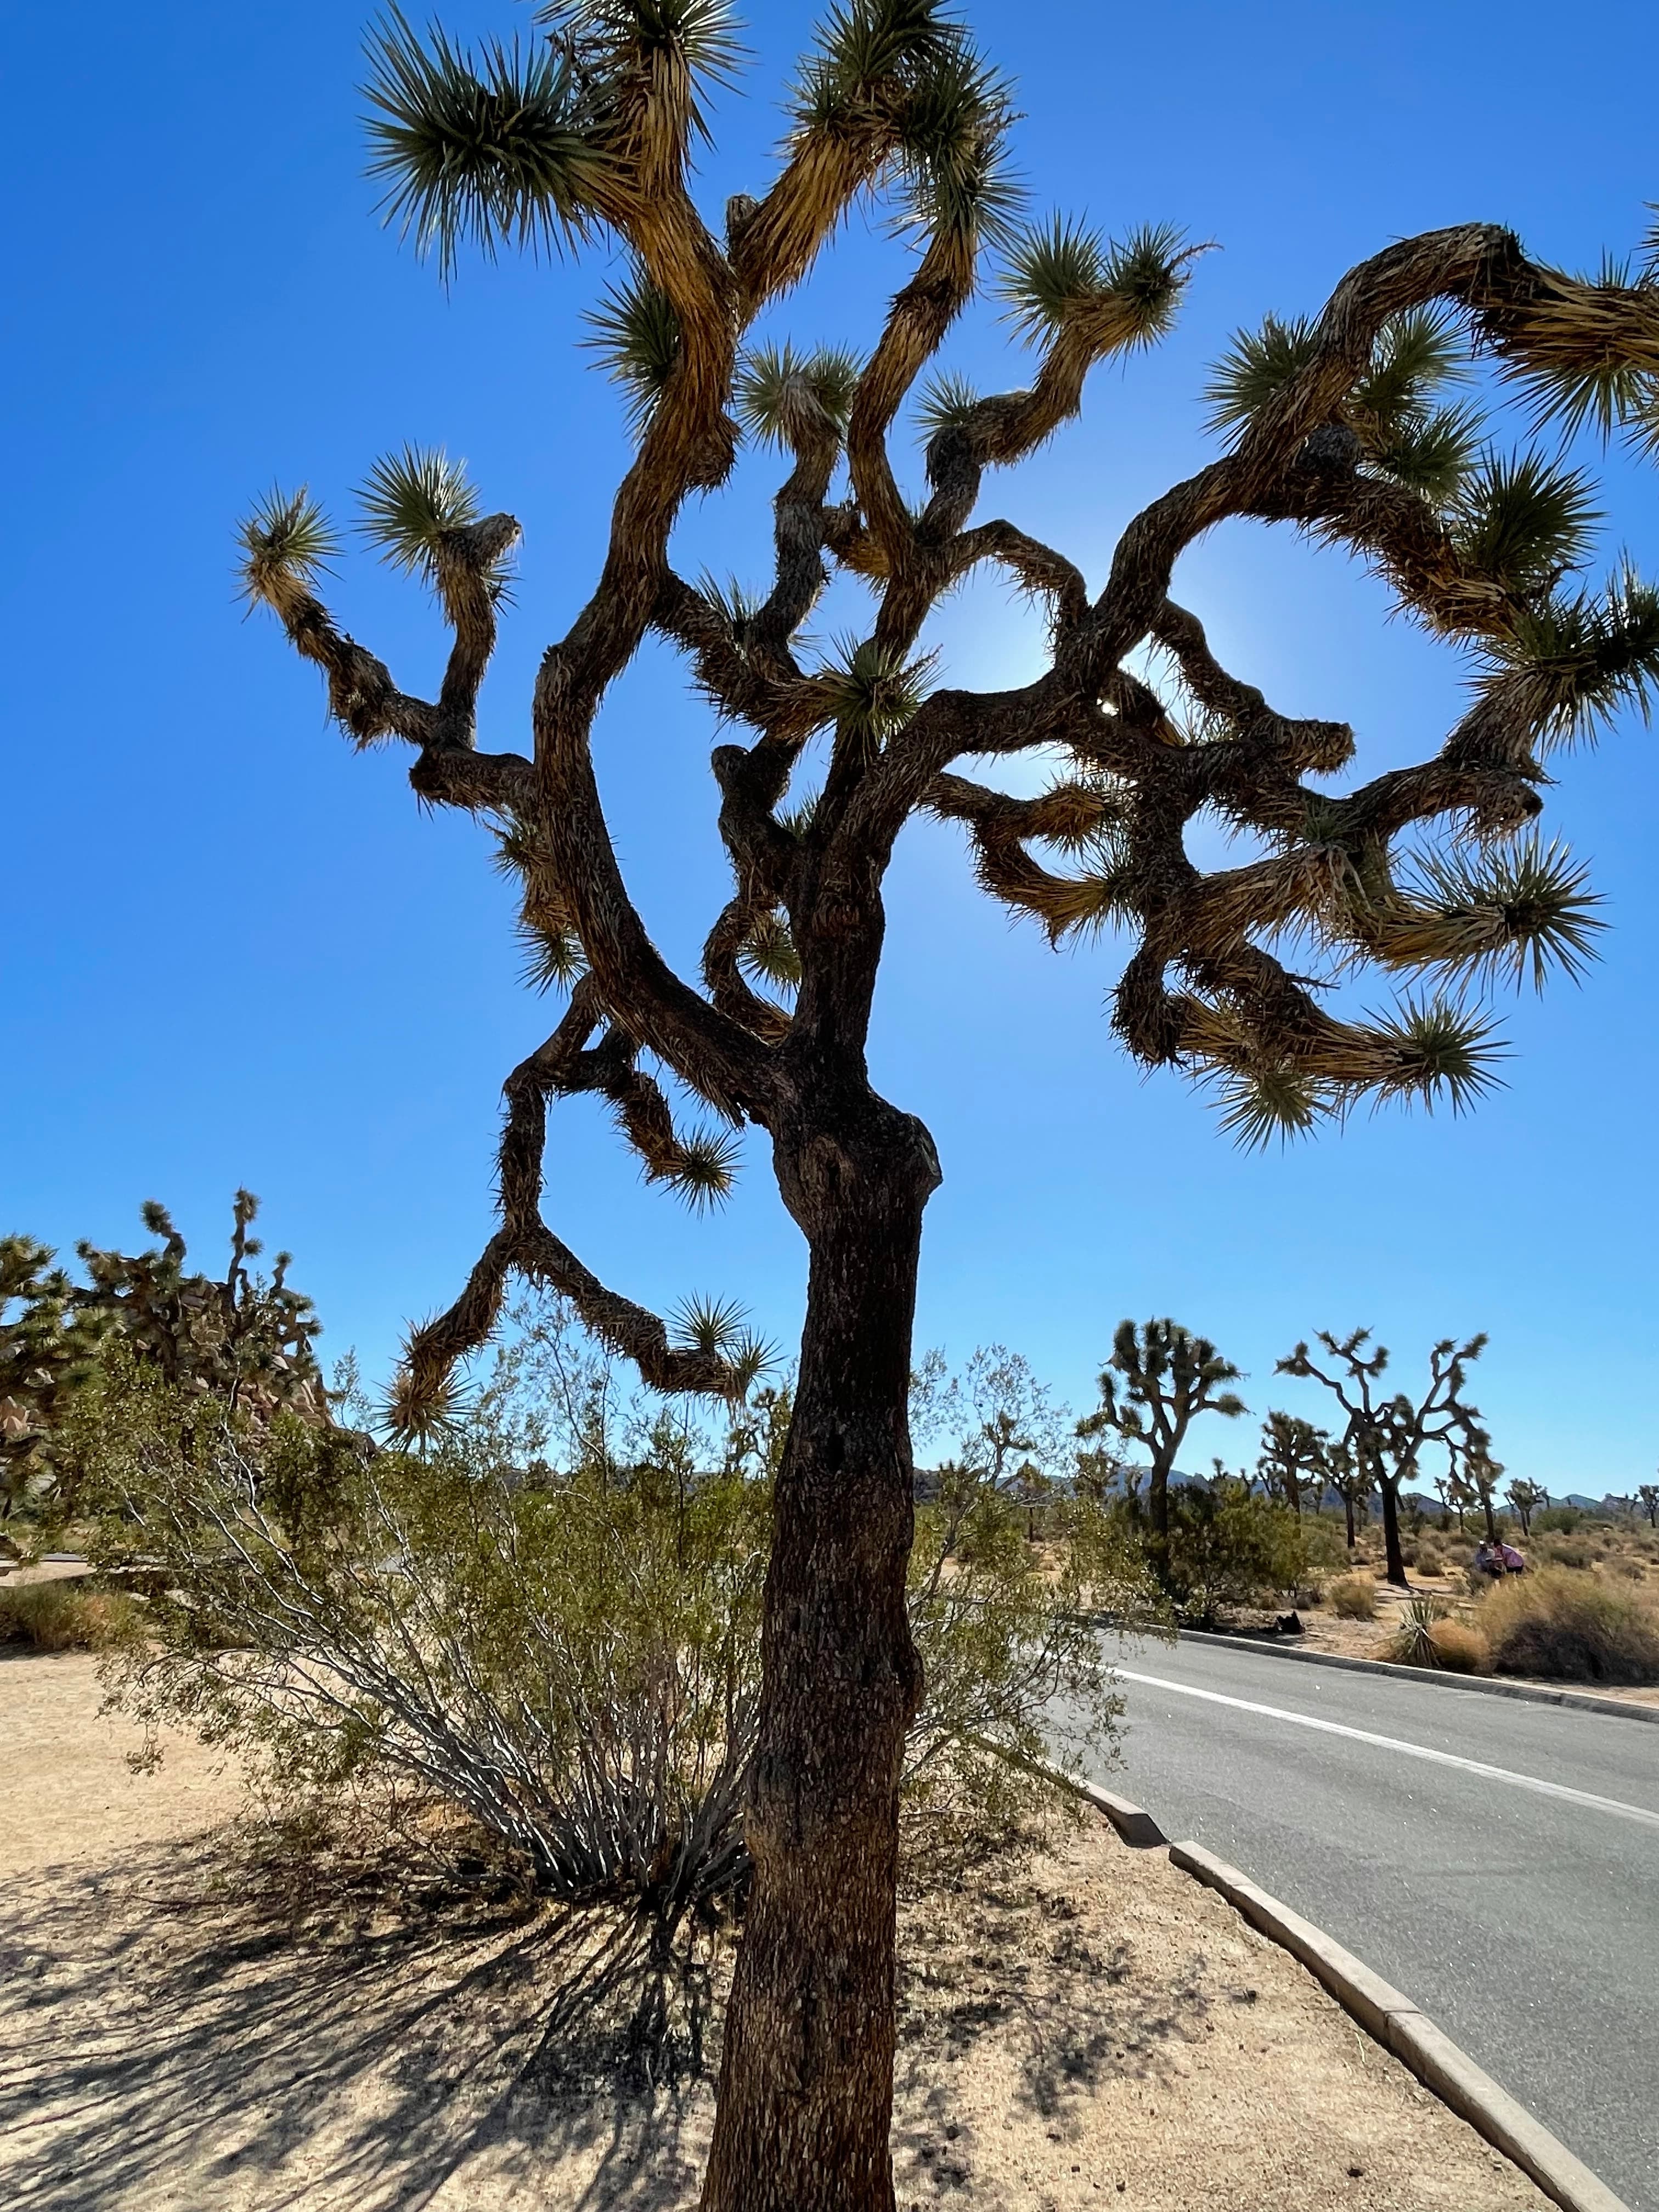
(1508, 1883)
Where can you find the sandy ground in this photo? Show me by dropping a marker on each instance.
(201, 2022)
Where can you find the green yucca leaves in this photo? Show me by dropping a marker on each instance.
(1415, 354)
(774, 386)
(1522, 522)
(953, 134)
(285, 540)
(553, 959)
(864, 45)
(636, 335)
(1062, 269)
(1524, 908)
(769, 956)
(706, 1167)
(1431, 453)
(874, 689)
(945, 404)
(487, 149)
(411, 502)
(1591, 658)
(719, 1328)
(1144, 273)
(1256, 367)
(1269, 1103)
(1439, 1052)
(712, 1326)
(1051, 272)
(704, 31)
(417, 1416)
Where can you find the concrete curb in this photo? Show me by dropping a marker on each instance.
(1625, 1708)
(1395, 2022)
(1137, 1827)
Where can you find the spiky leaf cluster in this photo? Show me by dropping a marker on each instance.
(413, 504)
(786, 399)
(719, 1328)
(768, 954)
(1582, 660)
(1523, 522)
(636, 335)
(498, 148)
(704, 1167)
(873, 690)
(1062, 271)
(905, 73)
(285, 541)
(1518, 910)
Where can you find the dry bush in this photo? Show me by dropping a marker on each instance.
(1353, 1598)
(1462, 1649)
(61, 1616)
(1430, 1559)
(1569, 1626)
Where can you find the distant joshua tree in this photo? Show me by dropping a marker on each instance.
(1293, 1452)
(1649, 1494)
(1524, 1499)
(1338, 426)
(1387, 1436)
(1160, 1379)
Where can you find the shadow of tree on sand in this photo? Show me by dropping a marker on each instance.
(190, 2031)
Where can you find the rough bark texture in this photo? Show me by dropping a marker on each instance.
(807, 2075)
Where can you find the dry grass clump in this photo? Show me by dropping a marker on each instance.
(1428, 1637)
(1462, 1649)
(59, 1616)
(1570, 1626)
(1353, 1598)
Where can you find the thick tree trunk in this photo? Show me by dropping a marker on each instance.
(806, 2079)
(1396, 1569)
(1353, 1534)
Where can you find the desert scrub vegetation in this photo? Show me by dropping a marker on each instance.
(1429, 1636)
(1567, 1625)
(63, 1616)
(1353, 1597)
(549, 1618)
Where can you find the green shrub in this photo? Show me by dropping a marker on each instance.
(1565, 1552)
(1229, 1547)
(64, 1616)
(1569, 1626)
(572, 1659)
(1354, 1598)
(1560, 1520)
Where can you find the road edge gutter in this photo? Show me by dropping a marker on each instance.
(1396, 2023)
(1625, 1709)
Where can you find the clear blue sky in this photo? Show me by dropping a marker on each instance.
(235, 952)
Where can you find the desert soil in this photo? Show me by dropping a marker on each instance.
(193, 2017)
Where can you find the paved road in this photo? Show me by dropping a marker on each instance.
(1523, 1919)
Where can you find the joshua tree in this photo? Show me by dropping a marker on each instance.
(1386, 1436)
(1479, 1475)
(247, 1342)
(1292, 1449)
(1160, 1379)
(1525, 1498)
(48, 1347)
(1353, 1480)
(1334, 426)
(1649, 1494)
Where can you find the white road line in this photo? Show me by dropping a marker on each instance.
(1412, 1750)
